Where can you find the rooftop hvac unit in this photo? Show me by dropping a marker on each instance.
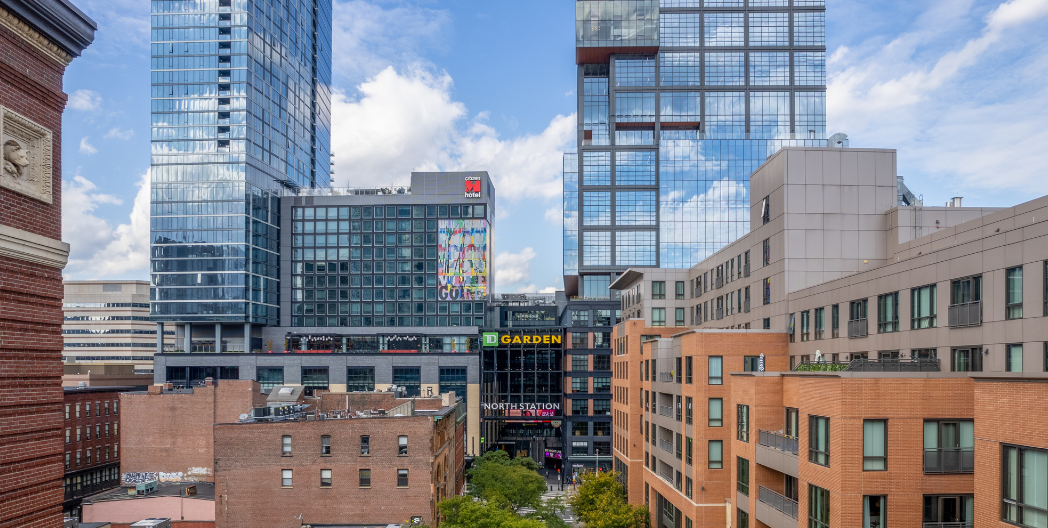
(260, 412)
(153, 523)
(145, 488)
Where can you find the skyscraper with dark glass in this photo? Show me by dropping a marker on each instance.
(678, 102)
(240, 112)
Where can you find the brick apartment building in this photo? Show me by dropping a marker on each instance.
(38, 39)
(916, 360)
(92, 443)
(343, 468)
(167, 432)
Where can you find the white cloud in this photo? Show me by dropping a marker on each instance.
(369, 38)
(96, 248)
(554, 215)
(84, 100)
(86, 147)
(119, 134)
(958, 113)
(405, 122)
(513, 268)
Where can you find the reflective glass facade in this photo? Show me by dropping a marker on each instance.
(240, 111)
(670, 128)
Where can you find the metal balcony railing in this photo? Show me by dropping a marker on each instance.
(665, 376)
(858, 328)
(967, 314)
(666, 411)
(746, 306)
(720, 282)
(746, 270)
(871, 365)
(968, 524)
(666, 446)
(777, 441)
(720, 313)
(780, 502)
(953, 460)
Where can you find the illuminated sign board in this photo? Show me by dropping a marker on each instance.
(491, 339)
(520, 406)
(472, 187)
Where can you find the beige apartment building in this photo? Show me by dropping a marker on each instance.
(106, 322)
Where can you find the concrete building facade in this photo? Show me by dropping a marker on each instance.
(38, 40)
(106, 322)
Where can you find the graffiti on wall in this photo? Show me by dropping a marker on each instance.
(462, 270)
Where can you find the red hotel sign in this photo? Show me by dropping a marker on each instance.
(472, 187)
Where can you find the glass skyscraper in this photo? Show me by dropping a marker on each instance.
(679, 101)
(240, 112)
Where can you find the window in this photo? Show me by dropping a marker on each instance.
(364, 478)
(402, 445)
(820, 323)
(78, 458)
(325, 445)
(744, 518)
(949, 446)
(888, 313)
(874, 445)
(766, 290)
(966, 359)
(922, 310)
(402, 478)
(679, 410)
(835, 316)
(857, 310)
(67, 435)
(1024, 490)
(285, 478)
(949, 510)
(77, 434)
(679, 317)
(114, 406)
(1013, 359)
(67, 460)
(285, 442)
(658, 289)
(679, 446)
(874, 511)
(742, 423)
(325, 478)
(580, 448)
(818, 507)
(658, 317)
(679, 290)
(602, 385)
(687, 450)
(87, 408)
(580, 407)
(107, 408)
(716, 412)
(687, 410)
(819, 440)
(715, 376)
(78, 411)
(1013, 293)
(716, 454)
(579, 384)
(601, 407)
(966, 290)
(365, 445)
(765, 218)
(67, 411)
(579, 362)
(742, 475)
(360, 379)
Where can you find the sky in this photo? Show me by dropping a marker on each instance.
(959, 87)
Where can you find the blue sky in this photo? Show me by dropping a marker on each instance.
(959, 87)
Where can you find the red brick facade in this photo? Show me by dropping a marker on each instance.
(31, 437)
(249, 465)
(92, 442)
(167, 434)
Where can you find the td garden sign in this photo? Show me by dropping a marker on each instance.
(492, 339)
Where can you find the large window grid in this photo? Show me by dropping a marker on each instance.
(596, 248)
(722, 29)
(635, 167)
(770, 115)
(809, 28)
(769, 29)
(635, 107)
(680, 69)
(888, 313)
(635, 248)
(360, 379)
(770, 68)
(635, 71)
(923, 307)
(809, 68)
(680, 107)
(725, 69)
(1024, 486)
(596, 168)
(596, 208)
(679, 29)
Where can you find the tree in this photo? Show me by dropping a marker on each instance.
(600, 502)
(466, 512)
(503, 481)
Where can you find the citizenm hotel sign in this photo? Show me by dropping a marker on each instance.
(472, 187)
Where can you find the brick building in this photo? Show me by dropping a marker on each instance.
(344, 468)
(92, 443)
(911, 363)
(167, 434)
(38, 39)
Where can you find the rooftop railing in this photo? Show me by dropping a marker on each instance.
(871, 365)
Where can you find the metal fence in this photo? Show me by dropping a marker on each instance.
(777, 441)
(953, 460)
(779, 502)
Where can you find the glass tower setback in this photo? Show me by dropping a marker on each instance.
(679, 102)
(240, 112)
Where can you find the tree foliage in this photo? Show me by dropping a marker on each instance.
(466, 512)
(502, 481)
(600, 502)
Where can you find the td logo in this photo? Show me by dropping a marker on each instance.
(491, 339)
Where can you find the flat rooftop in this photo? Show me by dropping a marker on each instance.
(204, 491)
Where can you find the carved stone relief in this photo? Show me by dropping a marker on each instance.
(26, 156)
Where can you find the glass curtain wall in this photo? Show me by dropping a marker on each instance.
(671, 130)
(240, 110)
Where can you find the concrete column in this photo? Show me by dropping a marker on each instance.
(218, 338)
(247, 338)
(159, 337)
(188, 338)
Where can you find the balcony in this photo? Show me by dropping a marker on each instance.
(858, 328)
(666, 376)
(775, 510)
(666, 411)
(777, 451)
(666, 446)
(967, 314)
(871, 365)
(953, 460)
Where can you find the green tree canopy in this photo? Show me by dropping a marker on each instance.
(507, 482)
(465, 512)
(600, 502)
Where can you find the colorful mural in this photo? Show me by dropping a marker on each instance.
(462, 269)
